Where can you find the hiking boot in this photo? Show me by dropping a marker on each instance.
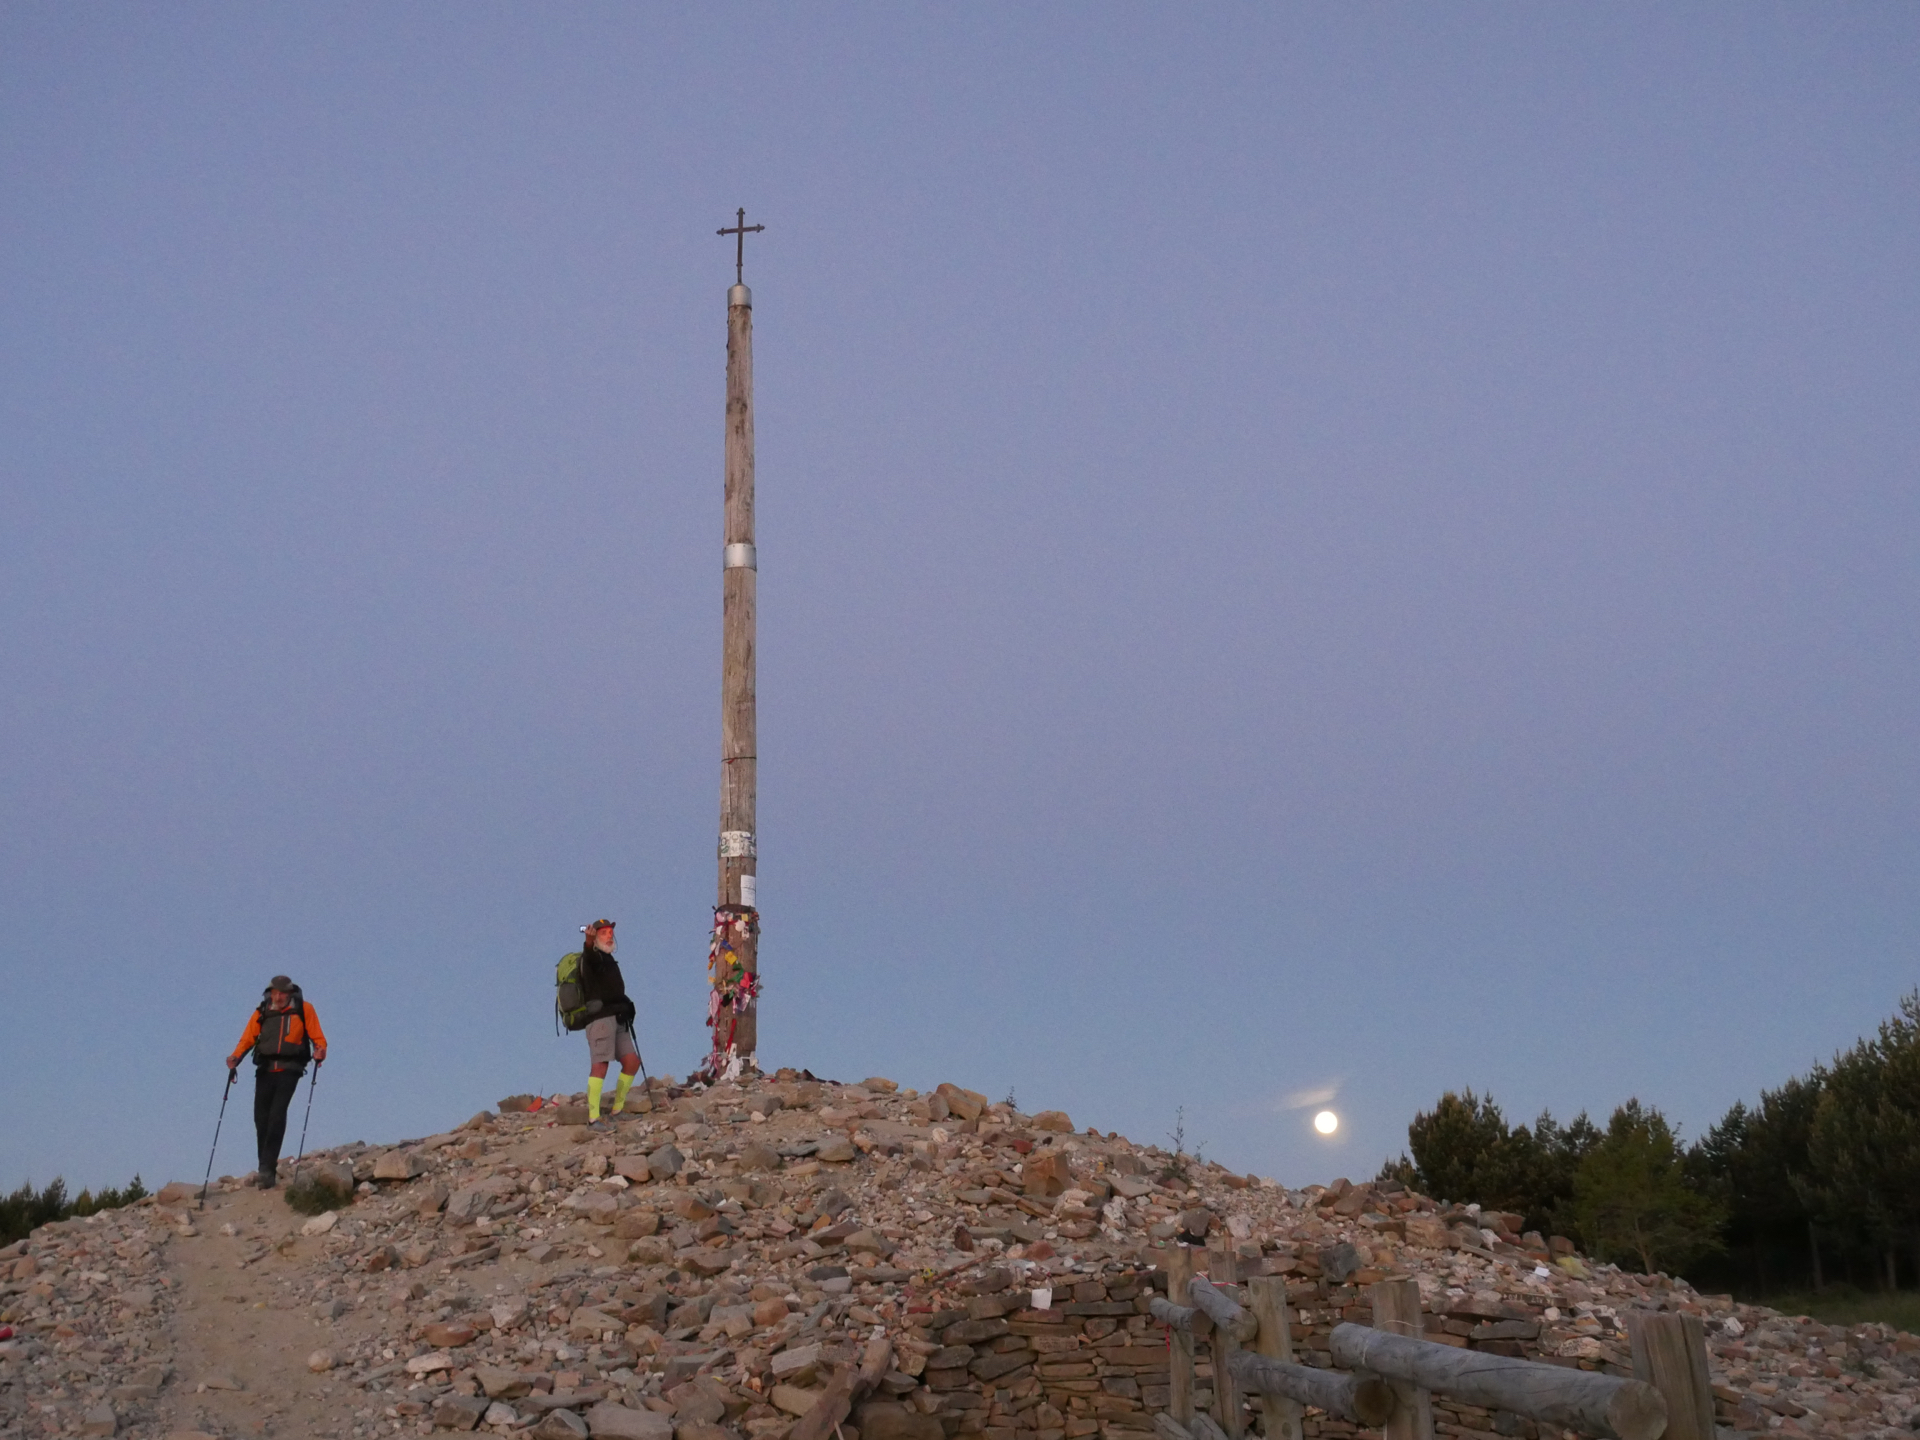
(264, 1179)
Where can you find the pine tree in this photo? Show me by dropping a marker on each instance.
(1863, 1146)
(1633, 1199)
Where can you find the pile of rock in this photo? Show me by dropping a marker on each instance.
(710, 1267)
(90, 1304)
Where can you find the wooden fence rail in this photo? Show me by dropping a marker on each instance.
(1607, 1405)
(1388, 1371)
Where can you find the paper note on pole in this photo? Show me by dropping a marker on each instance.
(746, 891)
(736, 844)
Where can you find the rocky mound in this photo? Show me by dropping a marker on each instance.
(722, 1263)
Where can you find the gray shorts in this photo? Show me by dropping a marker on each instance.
(608, 1039)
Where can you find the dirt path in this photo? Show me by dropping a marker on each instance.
(245, 1322)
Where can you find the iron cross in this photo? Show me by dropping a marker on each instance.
(740, 230)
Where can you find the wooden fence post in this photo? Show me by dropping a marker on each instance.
(1670, 1354)
(1179, 1267)
(1396, 1310)
(1229, 1402)
(1267, 1298)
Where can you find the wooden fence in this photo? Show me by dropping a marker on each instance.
(1389, 1373)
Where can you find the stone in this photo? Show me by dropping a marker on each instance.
(320, 1361)
(665, 1163)
(590, 1324)
(470, 1202)
(967, 1104)
(458, 1412)
(1054, 1120)
(689, 1206)
(797, 1365)
(973, 1332)
(1426, 1231)
(597, 1207)
(649, 1252)
(334, 1175)
(608, 1421)
(1196, 1222)
(869, 1242)
(704, 1262)
(320, 1224)
(1132, 1187)
(428, 1364)
(835, 1150)
(633, 1167)
(1338, 1263)
(560, 1425)
(500, 1413)
(1045, 1175)
(100, 1420)
(691, 1403)
(400, 1165)
(879, 1085)
(175, 1192)
(793, 1399)
(497, 1383)
(430, 1199)
(508, 1314)
(448, 1335)
(636, 1224)
(890, 1420)
(756, 1155)
(707, 1430)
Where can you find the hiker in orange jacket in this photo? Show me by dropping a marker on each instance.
(283, 1033)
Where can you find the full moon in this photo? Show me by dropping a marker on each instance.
(1326, 1122)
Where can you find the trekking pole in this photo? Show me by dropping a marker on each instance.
(232, 1075)
(306, 1122)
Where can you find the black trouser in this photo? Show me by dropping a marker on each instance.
(272, 1094)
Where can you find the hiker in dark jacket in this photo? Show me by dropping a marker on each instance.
(283, 1033)
(610, 1032)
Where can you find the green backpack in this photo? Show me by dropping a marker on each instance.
(569, 994)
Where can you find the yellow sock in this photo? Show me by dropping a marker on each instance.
(620, 1092)
(594, 1082)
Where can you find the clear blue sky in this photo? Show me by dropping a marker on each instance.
(1304, 550)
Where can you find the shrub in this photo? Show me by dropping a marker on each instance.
(310, 1197)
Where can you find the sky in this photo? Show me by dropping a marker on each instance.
(1309, 555)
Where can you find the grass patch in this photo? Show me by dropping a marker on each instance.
(1845, 1305)
(310, 1197)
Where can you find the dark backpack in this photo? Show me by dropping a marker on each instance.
(283, 1033)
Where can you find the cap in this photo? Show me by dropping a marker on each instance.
(595, 926)
(280, 983)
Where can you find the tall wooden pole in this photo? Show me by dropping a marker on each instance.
(738, 744)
